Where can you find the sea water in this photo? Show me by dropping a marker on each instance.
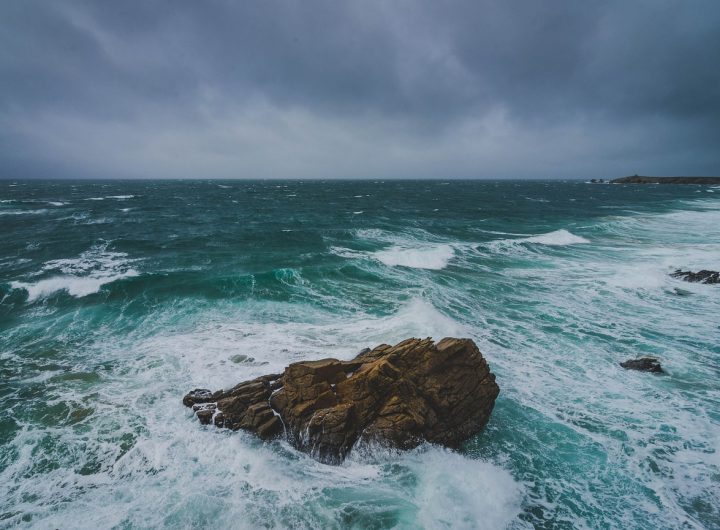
(116, 298)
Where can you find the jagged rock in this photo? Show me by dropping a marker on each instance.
(397, 395)
(703, 276)
(644, 364)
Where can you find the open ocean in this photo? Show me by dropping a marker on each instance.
(117, 297)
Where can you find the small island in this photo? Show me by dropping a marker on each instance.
(637, 179)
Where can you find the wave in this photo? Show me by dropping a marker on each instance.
(415, 250)
(557, 238)
(434, 257)
(79, 276)
(462, 492)
(74, 285)
(24, 212)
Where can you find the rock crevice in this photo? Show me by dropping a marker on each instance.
(398, 396)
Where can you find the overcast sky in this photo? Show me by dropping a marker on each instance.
(351, 89)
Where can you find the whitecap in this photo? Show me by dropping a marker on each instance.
(557, 238)
(347, 252)
(434, 257)
(120, 197)
(79, 276)
(415, 250)
(454, 491)
(23, 212)
(74, 285)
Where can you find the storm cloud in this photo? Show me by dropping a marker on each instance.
(328, 89)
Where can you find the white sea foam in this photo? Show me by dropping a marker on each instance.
(74, 285)
(557, 238)
(457, 492)
(79, 276)
(589, 443)
(415, 250)
(56, 203)
(226, 479)
(348, 252)
(121, 197)
(435, 257)
(520, 245)
(23, 212)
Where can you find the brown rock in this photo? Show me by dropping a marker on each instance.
(397, 395)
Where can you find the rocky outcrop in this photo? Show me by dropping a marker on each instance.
(398, 396)
(702, 276)
(644, 364)
(637, 179)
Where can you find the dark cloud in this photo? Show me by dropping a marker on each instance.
(351, 89)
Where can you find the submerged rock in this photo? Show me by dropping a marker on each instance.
(397, 395)
(644, 364)
(702, 276)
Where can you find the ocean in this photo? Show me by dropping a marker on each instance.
(117, 297)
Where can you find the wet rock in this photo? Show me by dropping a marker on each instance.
(644, 364)
(199, 395)
(398, 396)
(703, 276)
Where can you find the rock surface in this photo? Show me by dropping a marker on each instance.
(644, 364)
(703, 276)
(398, 396)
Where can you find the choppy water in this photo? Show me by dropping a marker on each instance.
(118, 297)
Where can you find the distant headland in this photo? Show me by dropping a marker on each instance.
(636, 179)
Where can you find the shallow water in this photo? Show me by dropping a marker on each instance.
(118, 297)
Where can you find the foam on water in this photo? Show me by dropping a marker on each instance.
(418, 249)
(99, 438)
(456, 492)
(79, 276)
(434, 257)
(73, 285)
(557, 238)
(179, 474)
(23, 212)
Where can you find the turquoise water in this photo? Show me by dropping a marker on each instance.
(118, 297)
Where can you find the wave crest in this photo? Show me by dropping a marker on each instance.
(559, 238)
(434, 257)
(79, 276)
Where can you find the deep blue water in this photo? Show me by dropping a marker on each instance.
(118, 297)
